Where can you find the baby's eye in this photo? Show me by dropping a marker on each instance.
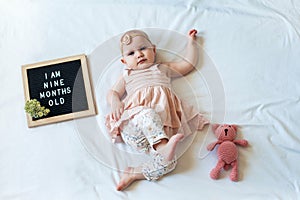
(143, 48)
(130, 53)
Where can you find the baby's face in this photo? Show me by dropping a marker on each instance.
(139, 54)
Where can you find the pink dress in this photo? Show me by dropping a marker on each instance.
(151, 88)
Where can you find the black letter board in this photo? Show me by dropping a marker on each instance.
(62, 85)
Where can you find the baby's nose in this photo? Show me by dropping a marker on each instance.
(139, 54)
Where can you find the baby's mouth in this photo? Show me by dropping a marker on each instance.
(141, 61)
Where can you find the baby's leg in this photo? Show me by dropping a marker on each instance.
(159, 166)
(151, 170)
(145, 132)
(154, 132)
(163, 149)
(130, 175)
(167, 149)
(133, 136)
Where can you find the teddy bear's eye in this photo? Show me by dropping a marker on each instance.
(229, 126)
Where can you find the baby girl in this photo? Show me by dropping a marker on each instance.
(145, 113)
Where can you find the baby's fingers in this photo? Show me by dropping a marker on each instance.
(118, 113)
(122, 109)
(193, 33)
(111, 116)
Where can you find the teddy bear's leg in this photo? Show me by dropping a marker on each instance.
(215, 172)
(234, 172)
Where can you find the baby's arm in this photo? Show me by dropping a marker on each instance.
(190, 60)
(114, 99)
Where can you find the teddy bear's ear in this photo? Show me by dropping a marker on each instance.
(234, 127)
(215, 126)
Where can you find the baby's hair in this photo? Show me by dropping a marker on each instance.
(127, 37)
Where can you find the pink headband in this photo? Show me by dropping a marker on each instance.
(126, 39)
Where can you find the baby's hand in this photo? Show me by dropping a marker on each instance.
(192, 33)
(117, 110)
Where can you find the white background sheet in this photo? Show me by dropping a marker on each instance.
(253, 48)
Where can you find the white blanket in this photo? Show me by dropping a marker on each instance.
(248, 74)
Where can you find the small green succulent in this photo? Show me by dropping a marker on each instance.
(34, 109)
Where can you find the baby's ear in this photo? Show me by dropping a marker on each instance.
(154, 48)
(215, 126)
(123, 61)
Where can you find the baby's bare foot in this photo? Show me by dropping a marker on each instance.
(128, 177)
(168, 150)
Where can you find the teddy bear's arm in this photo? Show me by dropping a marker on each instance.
(243, 143)
(211, 146)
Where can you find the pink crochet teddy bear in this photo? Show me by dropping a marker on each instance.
(227, 151)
